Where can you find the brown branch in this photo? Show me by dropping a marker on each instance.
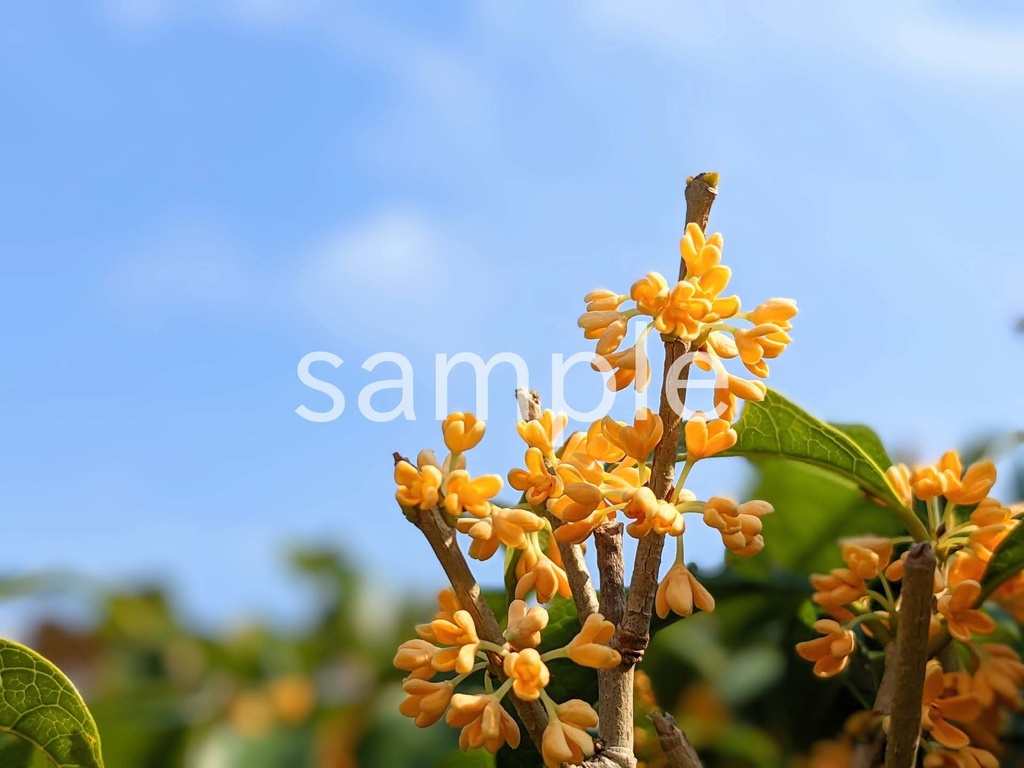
(911, 656)
(441, 538)
(673, 742)
(634, 632)
(615, 686)
(866, 754)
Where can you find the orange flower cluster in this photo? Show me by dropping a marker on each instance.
(695, 311)
(964, 707)
(449, 643)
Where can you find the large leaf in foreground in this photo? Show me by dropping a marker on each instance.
(40, 705)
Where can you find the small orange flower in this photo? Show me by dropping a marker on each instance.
(866, 556)
(704, 438)
(650, 293)
(999, 676)
(740, 525)
(957, 606)
(543, 433)
(628, 366)
(975, 484)
(426, 702)
(528, 673)
(639, 440)
(579, 499)
(838, 588)
(699, 254)
(536, 571)
(968, 757)
(680, 592)
(462, 431)
(566, 739)
(484, 722)
(416, 657)
(831, 652)
(776, 311)
(417, 487)
(464, 493)
(536, 481)
(602, 300)
(590, 646)
(682, 314)
(525, 625)
(502, 526)
(641, 506)
(899, 480)
(762, 342)
(461, 633)
(594, 324)
(944, 479)
(937, 709)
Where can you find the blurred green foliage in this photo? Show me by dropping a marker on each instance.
(325, 695)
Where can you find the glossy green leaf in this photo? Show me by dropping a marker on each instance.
(1006, 562)
(813, 509)
(777, 428)
(40, 705)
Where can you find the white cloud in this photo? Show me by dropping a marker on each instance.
(918, 38)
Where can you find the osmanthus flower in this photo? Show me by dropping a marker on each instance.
(650, 293)
(837, 589)
(484, 722)
(482, 718)
(968, 757)
(831, 652)
(473, 495)
(999, 676)
(418, 487)
(537, 481)
(866, 556)
(637, 441)
(704, 438)
(462, 431)
(543, 433)
(938, 709)
(589, 648)
(525, 625)
(447, 604)
(510, 527)
(416, 657)
(693, 309)
(426, 701)
(459, 632)
(680, 592)
(537, 572)
(947, 478)
(528, 673)
(764, 341)
(739, 524)
(962, 619)
(566, 739)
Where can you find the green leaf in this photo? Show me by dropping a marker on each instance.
(1006, 562)
(868, 441)
(813, 509)
(777, 428)
(40, 705)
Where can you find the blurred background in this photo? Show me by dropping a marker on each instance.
(195, 194)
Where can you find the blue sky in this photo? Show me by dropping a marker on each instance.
(195, 194)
